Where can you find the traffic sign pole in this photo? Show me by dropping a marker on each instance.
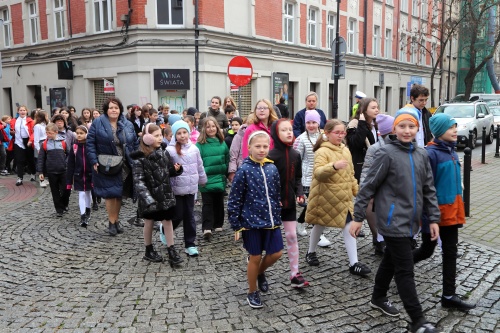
(337, 60)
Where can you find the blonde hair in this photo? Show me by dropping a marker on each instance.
(51, 127)
(272, 114)
(203, 133)
(329, 126)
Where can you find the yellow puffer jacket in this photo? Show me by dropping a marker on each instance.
(332, 191)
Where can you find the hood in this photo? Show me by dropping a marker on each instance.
(328, 144)
(135, 155)
(442, 145)
(242, 130)
(278, 144)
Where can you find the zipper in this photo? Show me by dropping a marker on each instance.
(414, 189)
(389, 217)
(267, 196)
(84, 167)
(285, 201)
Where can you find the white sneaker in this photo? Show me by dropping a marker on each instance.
(218, 229)
(324, 242)
(301, 229)
(32, 178)
(43, 183)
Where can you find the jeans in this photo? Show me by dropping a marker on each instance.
(184, 212)
(449, 240)
(212, 211)
(398, 263)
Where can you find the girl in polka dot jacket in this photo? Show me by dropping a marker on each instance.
(254, 209)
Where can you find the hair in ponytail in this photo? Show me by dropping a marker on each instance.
(329, 126)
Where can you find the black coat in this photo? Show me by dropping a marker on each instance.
(79, 173)
(357, 138)
(152, 180)
(284, 110)
(289, 165)
(138, 128)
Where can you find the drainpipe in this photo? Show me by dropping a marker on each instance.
(365, 25)
(69, 20)
(196, 55)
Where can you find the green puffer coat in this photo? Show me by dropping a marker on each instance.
(215, 156)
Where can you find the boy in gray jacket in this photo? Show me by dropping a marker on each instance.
(400, 180)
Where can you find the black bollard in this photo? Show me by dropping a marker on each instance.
(483, 147)
(471, 135)
(467, 170)
(497, 148)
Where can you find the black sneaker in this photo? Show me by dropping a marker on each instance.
(386, 307)
(95, 206)
(254, 301)
(152, 255)
(360, 269)
(119, 228)
(312, 259)
(173, 256)
(59, 214)
(379, 248)
(456, 302)
(262, 283)
(425, 327)
(298, 281)
(83, 221)
(112, 229)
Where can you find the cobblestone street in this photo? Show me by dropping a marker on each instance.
(58, 277)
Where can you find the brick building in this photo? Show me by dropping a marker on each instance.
(146, 48)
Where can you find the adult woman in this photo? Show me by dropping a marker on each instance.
(214, 111)
(228, 100)
(21, 129)
(112, 134)
(137, 120)
(299, 123)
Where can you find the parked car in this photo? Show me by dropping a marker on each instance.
(495, 110)
(470, 116)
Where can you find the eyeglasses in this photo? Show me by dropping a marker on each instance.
(262, 108)
(339, 133)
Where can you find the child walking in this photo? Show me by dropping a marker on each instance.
(333, 187)
(41, 120)
(52, 164)
(400, 180)
(79, 174)
(289, 165)
(215, 156)
(445, 168)
(152, 169)
(254, 209)
(185, 186)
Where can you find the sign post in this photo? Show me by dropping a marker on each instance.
(240, 73)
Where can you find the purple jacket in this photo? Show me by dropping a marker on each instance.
(235, 156)
(194, 173)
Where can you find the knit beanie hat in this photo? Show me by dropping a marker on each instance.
(385, 123)
(406, 113)
(191, 111)
(439, 123)
(313, 115)
(172, 118)
(178, 125)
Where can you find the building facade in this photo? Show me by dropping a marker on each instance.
(57, 52)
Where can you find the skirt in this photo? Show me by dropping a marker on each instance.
(160, 215)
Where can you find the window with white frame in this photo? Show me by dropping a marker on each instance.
(312, 24)
(435, 12)
(33, 19)
(6, 27)
(414, 7)
(402, 48)
(425, 9)
(170, 12)
(288, 23)
(389, 2)
(404, 6)
(377, 39)
(422, 52)
(102, 15)
(59, 19)
(330, 27)
(388, 44)
(351, 36)
(413, 51)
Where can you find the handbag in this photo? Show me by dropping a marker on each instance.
(109, 164)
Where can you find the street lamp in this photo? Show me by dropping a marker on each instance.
(337, 65)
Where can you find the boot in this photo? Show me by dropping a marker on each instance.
(83, 221)
(87, 214)
(173, 257)
(152, 255)
(119, 228)
(112, 229)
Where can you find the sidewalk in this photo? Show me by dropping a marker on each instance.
(58, 277)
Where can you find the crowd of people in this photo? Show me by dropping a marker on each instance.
(399, 173)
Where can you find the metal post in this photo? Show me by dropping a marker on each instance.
(471, 134)
(483, 147)
(467, 170)
(196, 56)
(497, 153)
(239, 100)
(337, 63)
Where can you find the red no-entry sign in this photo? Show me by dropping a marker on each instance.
(240, 71)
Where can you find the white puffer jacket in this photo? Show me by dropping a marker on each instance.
(304, 144)
(192, 164)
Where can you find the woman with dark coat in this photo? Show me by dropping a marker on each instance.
(112, 134)
(137, 120)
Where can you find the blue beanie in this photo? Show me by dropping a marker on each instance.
(406, 113)
(439, 123)
(172, 118)
(178, 125)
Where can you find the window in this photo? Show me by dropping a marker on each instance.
(33, 17)
(288, 20)
(425, 10)
(351, 36)
(102, 15)
(376, 41)
(414, 7)
(59, 18)
(422, 52)
(402, 48)
(389, 2)
(330, 27)
(413, 51)
(388, 44)
(6, 28)
(170, 12)
(404, 6)
(435, 13)
(311, 27)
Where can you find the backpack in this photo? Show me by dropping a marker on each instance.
(44, 145)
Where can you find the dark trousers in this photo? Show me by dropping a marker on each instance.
(57, 182)
(302, 217)
(449, 240)
(10, 158)
(3, 156)
(398, 263)
(212, 211)
(24, 157)
(184, 212)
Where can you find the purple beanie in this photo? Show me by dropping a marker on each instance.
(313, 115)
(385, 123)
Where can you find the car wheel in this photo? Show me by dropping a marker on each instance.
(490, 137)
(474, 140)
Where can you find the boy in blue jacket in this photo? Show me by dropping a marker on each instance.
(254, 209)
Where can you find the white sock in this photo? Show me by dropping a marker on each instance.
(316, 233)
(380, 238)
(350, 245)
